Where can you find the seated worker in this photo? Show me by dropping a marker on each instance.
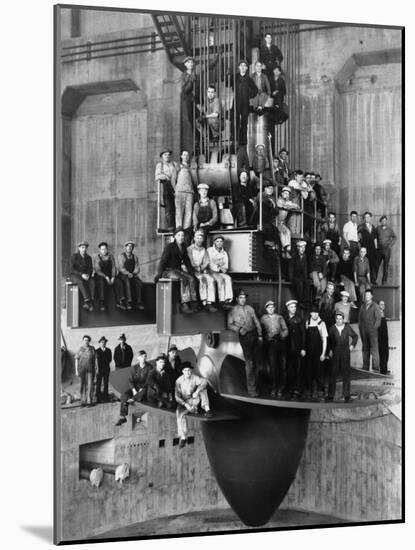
(346, 276)
(344, 306)
(342, 340)
(327, 303)
(285, 205)
(175, 264)
(199, 259)
(105, 270)
(295, 349)
(205, 211)
(383, 340)
(318, 270)
(211, 114)
(85, 367)
(316, 345)
(104, 358)
(299, 274)
(166, 174)
(243, 195)
(158, 385)
(243, 320)
(331, 259)
(261, 80)
(190, 391)
(82, 274)
(361, 270)
(275, 331)
(269, 54)
(123, 353)
(219, 265)
(137, 383)
(128, 270)
(173, 365)
(278, 93)
(331, 231)
(281, 168)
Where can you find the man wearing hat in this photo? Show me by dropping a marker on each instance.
(138, 385)
(285, 206)
(346, 276)
(299, 274)
(316, 345)
(190, 391)
(123, 353)
(331, 259)
(243, 195)
(244, 89)
(105, 271)
(219, 266)
(205, 211)
(85, 365)
(189, 87)
(104, 358)
(295, 348)
(199, 259)
(269, 229)
(370, 318)
(82, 274)
(368, 237)
(175, 264)
(184, 192)
(342, 340)
(128, 270)
(243, 320)
(331, 231)
(344, 306)
(275, 332)
(173, 365)
(281, 168)
(166, 174)
(159, 387)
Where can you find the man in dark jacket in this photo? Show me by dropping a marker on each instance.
(104, 357)
(386, 239)
(269, 54)
(137, 382)
(159, 387)
(244, 89)
(299, 274)
(128, 274)
(369, 322)
(123, 353)
(175, 264)
(173, 365)
(368, 237)
(81, 274)
(295, 350)
(342, 339)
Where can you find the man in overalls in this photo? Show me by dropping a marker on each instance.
(316, 344)
(205, 211)
(129, 268)
(295, 347)
(85, 367)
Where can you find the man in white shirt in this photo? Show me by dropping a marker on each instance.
(190, 391)
(200, 261)
(350, 234)
(219, 265)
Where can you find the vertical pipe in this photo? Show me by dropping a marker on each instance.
(260, 201)
(234, 61)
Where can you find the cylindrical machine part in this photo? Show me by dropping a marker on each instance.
(218, 175)
(257, 134)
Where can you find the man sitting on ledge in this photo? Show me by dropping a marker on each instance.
(159, 388)
(190, 390)
(81, 274)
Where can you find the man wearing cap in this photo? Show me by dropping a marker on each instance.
(175, 264)
(318, 270)
(344, 306)
(173, 365)
(330, 231)
(219, 265)
(138, 385)
(285, 206)
(361, 271)
(386, 240)
(326, 304)
(166, 174)
(104, 358)
(275, 332)
(189, 88)
(205, 211)
(295, 349)
(243, 320)
(158, 385)
(342, 340)
(82, 274)
(331, 259)
(316, 345)
(368, 237)
(199, 258)
(350, 234)
(244, 89)
(85, 366)
(184, 192)
(370, 318)
(346, 276)
(105, 271)
(190, 391)
(128, 270)
(281, 168)
(299, 274)
(123, 353)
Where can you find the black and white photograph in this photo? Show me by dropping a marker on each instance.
(229, 273)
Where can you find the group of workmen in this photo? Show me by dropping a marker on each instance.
(168, 383)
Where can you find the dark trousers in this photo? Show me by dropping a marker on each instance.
(102, 378)
(339, 365)
(354, 249)
(373, 262)
(86, 288)
(242, 114)
(314, 375)
(383, 339)
(276, 361)
(370, 346)
(139, 396)
(249, 344)
(302, 290)
(155, 396)
(168, 201)
(131, 288)
(104, 287)
(331, 271)
(295, 374)
(384, 255)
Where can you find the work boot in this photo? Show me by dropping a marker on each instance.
(185, 308)
(208, 414)
(101, 306)
(85, 306)
(182, 443)
(121, 421)
(90, 306)
(129, 306)
(195, 306)
(211, 308)
(139, 306)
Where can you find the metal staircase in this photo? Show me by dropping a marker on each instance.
(171, 30)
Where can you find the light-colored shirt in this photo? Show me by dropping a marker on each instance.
(185, 387)
(122, 258)
(218, 260)
(274, 325)
(321, 325)
(243, 317)
(350, 231)
(166, 171)
(184, 182)
(284, 206)
(86, 358)
(198, 257)
(345, 309)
